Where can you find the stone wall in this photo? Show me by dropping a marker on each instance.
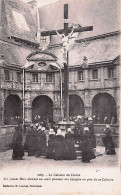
(99, 131)
(6, 134)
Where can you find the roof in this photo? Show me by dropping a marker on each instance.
(97, 50)
(103, 15)
(17, 53)
(19, 20)
(103, 48)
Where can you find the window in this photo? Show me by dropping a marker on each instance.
(49, 78)
(35, 78)
(111, 73)
(7, 75)
(18, 77)
(43, 39)
(80, 75)
(95, 74)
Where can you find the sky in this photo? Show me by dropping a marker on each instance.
(42, 2)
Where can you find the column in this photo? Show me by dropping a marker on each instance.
(28, 108)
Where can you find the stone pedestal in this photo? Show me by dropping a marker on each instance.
(63, 125)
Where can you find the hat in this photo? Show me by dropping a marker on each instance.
(86, 129)
(69, 129)
(51, 132)
(90, 119)
(43, 128)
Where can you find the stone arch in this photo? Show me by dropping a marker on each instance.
(76, 105)
(104, 105)
(12, 110)
(42, 105)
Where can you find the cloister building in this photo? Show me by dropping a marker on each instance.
(94, 68)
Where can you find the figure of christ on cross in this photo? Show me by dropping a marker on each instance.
(65, 34)
(65, 43)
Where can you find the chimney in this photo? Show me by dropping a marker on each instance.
(85, 64)
(85, 60)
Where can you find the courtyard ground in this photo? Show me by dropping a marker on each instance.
(100, 161)
(60, 177)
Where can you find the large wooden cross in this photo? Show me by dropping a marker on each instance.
(66, 31)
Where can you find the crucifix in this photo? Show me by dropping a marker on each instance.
(65, 34)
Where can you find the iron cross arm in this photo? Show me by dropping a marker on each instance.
(79, 29)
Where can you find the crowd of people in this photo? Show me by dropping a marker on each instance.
(50, 142)
(98, 120)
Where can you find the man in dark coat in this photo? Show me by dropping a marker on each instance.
(87, 150)
(51, 144)
(70, 153)
(18, 150)
(92, 133)
(59, 153)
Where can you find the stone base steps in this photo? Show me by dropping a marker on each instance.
(78, 151)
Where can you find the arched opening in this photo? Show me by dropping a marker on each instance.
(12, 110)
(43, 106)
(104, 107)
(76, 105)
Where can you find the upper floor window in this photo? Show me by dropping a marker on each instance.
(7, 75)
(111, 72)
(18, 74)
(49, 77)
(80, 75)
(35, 78)
(95, 74)
(43, 39)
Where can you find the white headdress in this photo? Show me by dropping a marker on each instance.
(43, 128)
(58, 132)
(86, 129)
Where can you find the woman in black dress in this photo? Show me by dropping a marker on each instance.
(59, 153)
(18, 150)
(70, 153)
(31, 139)
(51, 144)
(42, 142)
(87, 149)
(108, 141)
(92, 132)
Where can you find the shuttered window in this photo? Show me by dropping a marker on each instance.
(95, 74)
(7, 75)
(35, 78)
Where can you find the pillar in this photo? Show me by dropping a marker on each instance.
(28, 108)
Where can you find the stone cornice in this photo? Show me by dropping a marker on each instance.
(98, 36)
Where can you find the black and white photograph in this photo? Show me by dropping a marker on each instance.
(60, 97)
